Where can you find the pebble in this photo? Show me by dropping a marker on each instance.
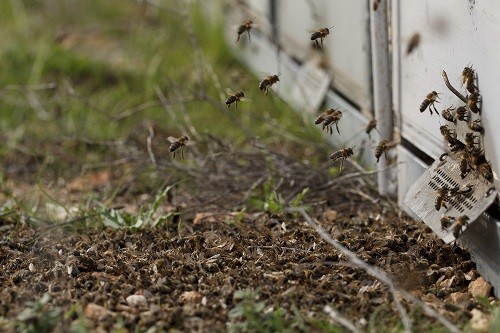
(458, 298)
(479, 321)
(137, 300)
(96, 312)
(330, 215)
(480, 287)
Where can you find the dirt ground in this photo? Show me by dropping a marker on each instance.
(188, 268)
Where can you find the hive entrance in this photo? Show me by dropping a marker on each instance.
(421, 198)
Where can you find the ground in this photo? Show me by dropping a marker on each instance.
(101, 229)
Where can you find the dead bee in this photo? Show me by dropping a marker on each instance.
(468, 76)
(265, 84)
(177, 143)
(446, 222)
(328, 118)
(472, 102)
(448, 115)
(343, 154)
(321, 35)
(413, 43)
(234, 97)
(382, 148)
(245, 26)
(371, 125)
(462, 113)
(476, 126)
(429, 101)
(461, 190)
(464, 164)
(485, 171)
(460, 222)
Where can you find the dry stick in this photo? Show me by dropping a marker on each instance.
(378, 274)
(139, 108)
(453, 90)
(340, 319)
(150, 151)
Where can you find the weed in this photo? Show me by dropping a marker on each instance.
(38, 317)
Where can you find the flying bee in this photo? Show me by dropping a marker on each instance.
(485, 171)
(234, 97)
(413, 43)
(321, 35)
(382, 148)
(462, 113)
(245, 26)
(460, 223)
(177, 143)
(371, 125)
(265, 84)
(328, 118)
(468, 76)
(446, 222)
(429, 101)
(472, 102)
(442, 197)
(343, 154)
(464, 164)
(476, 126)
(448, 114)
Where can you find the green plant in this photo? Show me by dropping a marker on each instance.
(38, 317)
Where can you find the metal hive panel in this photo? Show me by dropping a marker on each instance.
(422, 195)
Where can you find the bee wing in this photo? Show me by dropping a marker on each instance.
(189, 143)
(229, 91)
(245, 99)
(171, 139)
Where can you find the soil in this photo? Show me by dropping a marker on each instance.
(189, 267)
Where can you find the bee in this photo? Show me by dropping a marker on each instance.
(343, 154)
(485, 171)
(328, 118)
(448, 115)
(321, 35)
(470, 140)
(265, 84)
(446, 222)
(382, 148)
(464, 164)
(462, 113)
(245, 26)
(468, 76)
(178, 143)
(472, 102)
(448, 133)
(371, 125)
(429, 101)
(413, 43)
(461, 190)
(476, 126)
(442, 196)
(460, 223)
(234, 97)
(476, 157)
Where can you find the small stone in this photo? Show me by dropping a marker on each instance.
(458, 298)
(137, 300)
(191, 297)
(480, 287)
(330, 215)
(479, 321)
(96, 312)
(31, 267)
